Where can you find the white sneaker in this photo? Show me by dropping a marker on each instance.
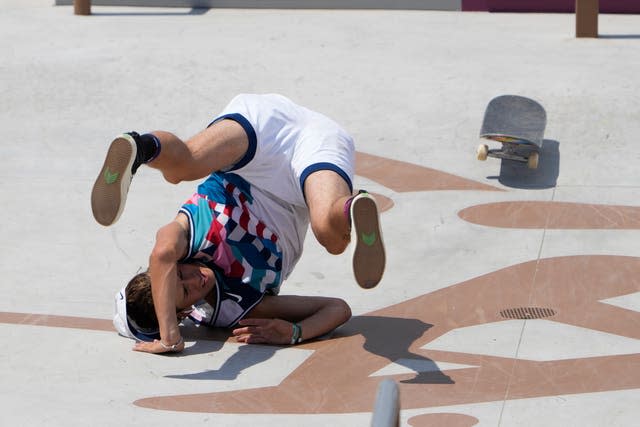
(368, 254)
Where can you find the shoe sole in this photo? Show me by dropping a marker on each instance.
(368, 255)
(110, 189)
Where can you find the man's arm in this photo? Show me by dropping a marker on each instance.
(171, 245)
(271, 321)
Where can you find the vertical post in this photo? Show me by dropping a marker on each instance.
(386, 412)
(82, 7)
(587, 18)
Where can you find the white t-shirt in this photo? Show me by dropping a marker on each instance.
(287, 142)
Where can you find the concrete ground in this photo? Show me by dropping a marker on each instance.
(468, 242)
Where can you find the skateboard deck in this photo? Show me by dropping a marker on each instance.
(518, 123)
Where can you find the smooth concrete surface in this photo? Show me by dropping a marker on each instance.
(466, 239)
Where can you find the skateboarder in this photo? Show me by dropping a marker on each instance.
(272, 168)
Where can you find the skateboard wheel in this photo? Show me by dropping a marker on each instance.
(532, 161)
(483, 151)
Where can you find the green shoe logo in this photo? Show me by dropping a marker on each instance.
(110, 177)
(369, 239)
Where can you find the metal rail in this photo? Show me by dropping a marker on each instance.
(386, 412)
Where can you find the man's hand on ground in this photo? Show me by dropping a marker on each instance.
(264, 331)
(157, 347)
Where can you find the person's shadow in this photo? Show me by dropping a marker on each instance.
(245, 357)
(392, 338)
(389, 337)
(210, 340)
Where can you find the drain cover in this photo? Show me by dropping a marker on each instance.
(527, 313)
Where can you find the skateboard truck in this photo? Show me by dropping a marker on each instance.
(511, 150)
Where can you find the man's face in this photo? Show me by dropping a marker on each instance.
(195, 281)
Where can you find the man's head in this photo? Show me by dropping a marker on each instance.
(135, 315)
(140, 301)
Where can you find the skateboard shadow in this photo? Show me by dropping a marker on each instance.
(517, 175)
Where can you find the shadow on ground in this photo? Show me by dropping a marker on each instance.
(517, 175)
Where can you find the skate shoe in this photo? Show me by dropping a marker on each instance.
(112, 185)
(368, 254)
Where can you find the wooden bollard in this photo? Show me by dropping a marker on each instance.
(587, 18)
(82, 7)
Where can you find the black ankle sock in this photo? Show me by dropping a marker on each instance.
(148, 147)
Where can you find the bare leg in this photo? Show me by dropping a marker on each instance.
(215, 148)
(326, 193)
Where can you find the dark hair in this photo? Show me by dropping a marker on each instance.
(140, 306)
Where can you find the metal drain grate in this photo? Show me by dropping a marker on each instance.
(527, 313)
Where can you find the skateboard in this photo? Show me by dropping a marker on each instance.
(518, 123)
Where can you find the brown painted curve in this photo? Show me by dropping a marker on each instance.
(384, 203)
(336, 378)
(56, 321)
(553, 215)
(404, 177)
(443, 419)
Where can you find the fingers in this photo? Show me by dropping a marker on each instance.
(244, 337)
(146, 347)
(249, 334)
(251, 339)
(254, 331)
(156, 347)
(251, 327)
(263, 331)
